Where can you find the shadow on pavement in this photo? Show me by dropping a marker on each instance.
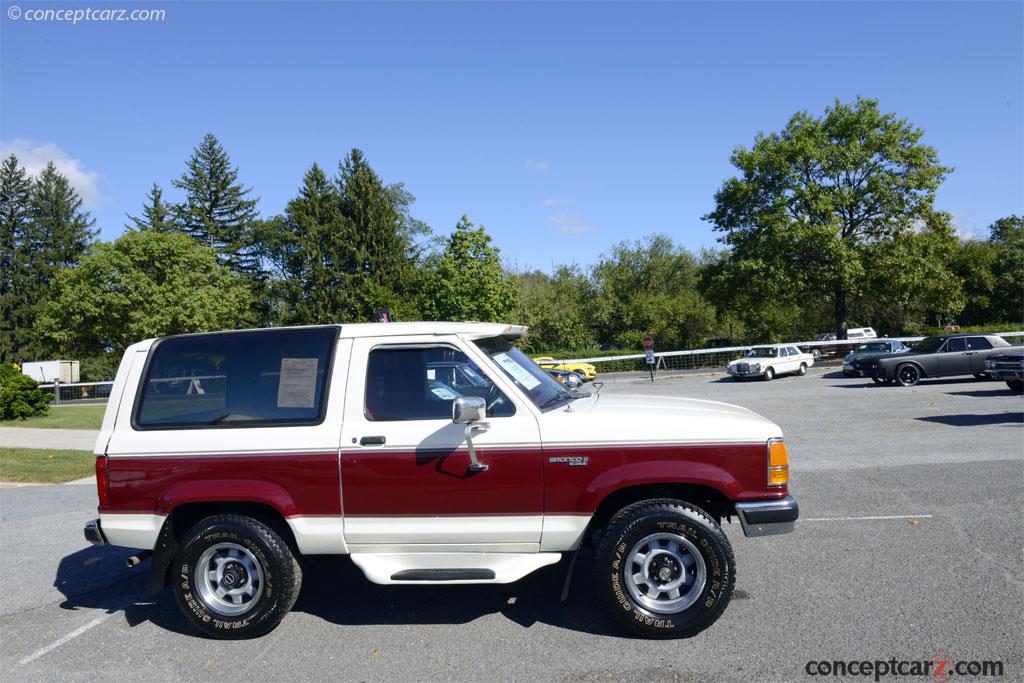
(1005, 391)
(96, 578)
(975, 420)
(335, 590)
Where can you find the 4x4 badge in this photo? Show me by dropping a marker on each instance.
(572, 460)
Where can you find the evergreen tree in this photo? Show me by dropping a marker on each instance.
(322, 262)
(156, 214)
(378, 241)
(61, 230)
(217, 210)
(468, 282)
(15, 214)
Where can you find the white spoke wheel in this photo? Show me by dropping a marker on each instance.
(230, 579)
(769, 374)
(665, 573)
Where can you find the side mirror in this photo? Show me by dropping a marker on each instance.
(467, 409)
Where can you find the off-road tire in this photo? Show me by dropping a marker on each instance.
(638, 521)
(281, 576)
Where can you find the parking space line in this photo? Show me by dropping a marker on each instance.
(61, 641)
(856, 519)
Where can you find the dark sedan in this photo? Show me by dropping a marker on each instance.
(1008, 367)
(939, 356)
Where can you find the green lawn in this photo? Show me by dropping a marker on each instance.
(40, 465)
(63, 417)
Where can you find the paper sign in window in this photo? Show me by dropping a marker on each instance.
(517, 371)
(297, 386)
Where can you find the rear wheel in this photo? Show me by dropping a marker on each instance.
(908, 374)
(664, 569)
(803, 369)
(235, 577)
(769, 375)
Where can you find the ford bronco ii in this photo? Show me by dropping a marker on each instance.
(431, 453)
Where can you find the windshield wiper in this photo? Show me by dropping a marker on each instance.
(555, 399)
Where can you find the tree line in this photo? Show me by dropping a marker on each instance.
(828, 224)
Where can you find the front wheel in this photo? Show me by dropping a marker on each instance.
(908, 375)
(803, 369)
(234, 577)
(665, 569)
(769, 375)
(1016, 385)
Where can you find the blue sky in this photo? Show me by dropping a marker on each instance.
(561, 127)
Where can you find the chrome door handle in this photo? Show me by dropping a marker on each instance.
(372, 441)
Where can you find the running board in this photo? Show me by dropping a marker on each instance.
(450, 568)
(443, 575)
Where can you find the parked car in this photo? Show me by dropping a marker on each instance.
(224, 489)
(768, 361)
(880, 347)
(584, 370)
(937, 356)
(820, 350)
(569, 379)
(1008, 367)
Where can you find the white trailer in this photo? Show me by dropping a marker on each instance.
(64, 371)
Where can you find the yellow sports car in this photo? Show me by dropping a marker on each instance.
(585, 370)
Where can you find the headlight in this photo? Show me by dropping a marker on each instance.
(756, 367)
(848, 358)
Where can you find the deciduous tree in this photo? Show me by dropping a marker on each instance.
(811, 200)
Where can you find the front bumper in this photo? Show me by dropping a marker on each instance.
(94, 533)
(736, 372)
(768, 517)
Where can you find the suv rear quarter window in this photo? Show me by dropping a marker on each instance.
(236, 379)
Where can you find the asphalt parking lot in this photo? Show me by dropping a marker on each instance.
(911, 543)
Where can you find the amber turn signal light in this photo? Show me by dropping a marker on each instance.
(778, 463)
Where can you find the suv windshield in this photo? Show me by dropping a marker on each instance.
(763, 352)
(532, 380)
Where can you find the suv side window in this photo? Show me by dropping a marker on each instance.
(421, 383)
(236, 379)
(978, 343)
(956, 344)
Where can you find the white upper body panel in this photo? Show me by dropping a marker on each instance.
(637, 420)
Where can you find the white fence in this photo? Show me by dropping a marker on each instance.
(693, 359)
(78, 393)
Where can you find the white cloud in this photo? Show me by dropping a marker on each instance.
(538, 165)
(33, 157)
(570, 224)
(551, 201)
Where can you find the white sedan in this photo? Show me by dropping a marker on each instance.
(768, 361)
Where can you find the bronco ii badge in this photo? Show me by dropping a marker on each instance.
(573, 460)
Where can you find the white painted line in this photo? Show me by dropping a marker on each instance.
(61, 641)
(855, 519)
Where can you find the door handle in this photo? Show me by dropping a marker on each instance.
(372, 441)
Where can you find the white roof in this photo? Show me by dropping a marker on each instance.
(472, 330)
(468, 329)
